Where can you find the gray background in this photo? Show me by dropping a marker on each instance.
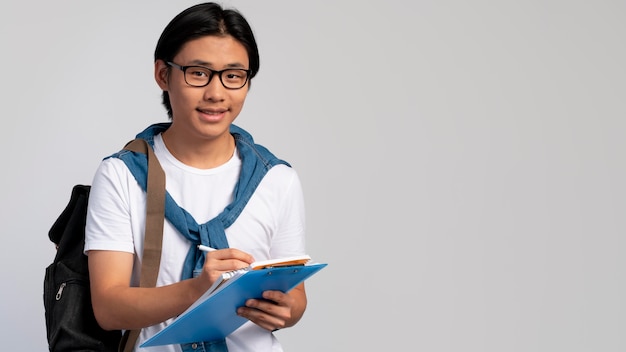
(462, 161)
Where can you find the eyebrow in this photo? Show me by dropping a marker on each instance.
(208, 64)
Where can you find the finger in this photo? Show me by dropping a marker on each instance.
(278, 297)
(230, 253)
(270, 308)
(261, 318)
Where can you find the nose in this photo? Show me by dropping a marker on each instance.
(214, 91)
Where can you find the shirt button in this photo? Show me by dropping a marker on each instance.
(194, 346)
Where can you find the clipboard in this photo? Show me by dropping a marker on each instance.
(214, 315)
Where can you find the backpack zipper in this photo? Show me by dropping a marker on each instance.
(60, 291)
(62, 287)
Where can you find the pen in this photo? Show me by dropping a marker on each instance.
(206, 248)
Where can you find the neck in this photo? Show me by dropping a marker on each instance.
(201, 154)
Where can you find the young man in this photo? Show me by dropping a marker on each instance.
(204, 62)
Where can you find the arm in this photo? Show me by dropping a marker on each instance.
(117, 305)
(109, 245)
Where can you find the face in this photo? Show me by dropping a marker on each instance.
(204, 112)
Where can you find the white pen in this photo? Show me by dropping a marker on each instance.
(206, 248)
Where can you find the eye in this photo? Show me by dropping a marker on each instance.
(198, 72)
(235, 76)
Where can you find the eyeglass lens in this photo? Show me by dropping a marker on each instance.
(200, 76)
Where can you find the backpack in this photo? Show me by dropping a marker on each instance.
(70, 321)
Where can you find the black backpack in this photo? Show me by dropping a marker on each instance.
(70, 321)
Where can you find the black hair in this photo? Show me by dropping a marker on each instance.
(199, 21)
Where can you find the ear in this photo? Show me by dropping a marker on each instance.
(161, 74)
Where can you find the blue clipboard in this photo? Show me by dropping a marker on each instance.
(216, 316)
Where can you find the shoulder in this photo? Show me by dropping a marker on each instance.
(112, 167)
(281, 184)
(283, 175)
(113, 183)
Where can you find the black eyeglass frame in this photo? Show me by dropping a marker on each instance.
(213, 73)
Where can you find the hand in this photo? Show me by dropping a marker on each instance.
(271, 313)
(220, 261)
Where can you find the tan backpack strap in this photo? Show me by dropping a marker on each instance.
(153, 238)
(127, 343)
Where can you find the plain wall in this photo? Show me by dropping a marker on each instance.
(462, 161)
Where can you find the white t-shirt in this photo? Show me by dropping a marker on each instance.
(272, 224)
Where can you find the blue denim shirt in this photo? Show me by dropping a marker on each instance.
(256, 162)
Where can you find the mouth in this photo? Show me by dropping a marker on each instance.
(212, 111)
(212, 115)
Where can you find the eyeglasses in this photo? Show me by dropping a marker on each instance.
(200, 76)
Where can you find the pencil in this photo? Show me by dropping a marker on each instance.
(206, 248)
